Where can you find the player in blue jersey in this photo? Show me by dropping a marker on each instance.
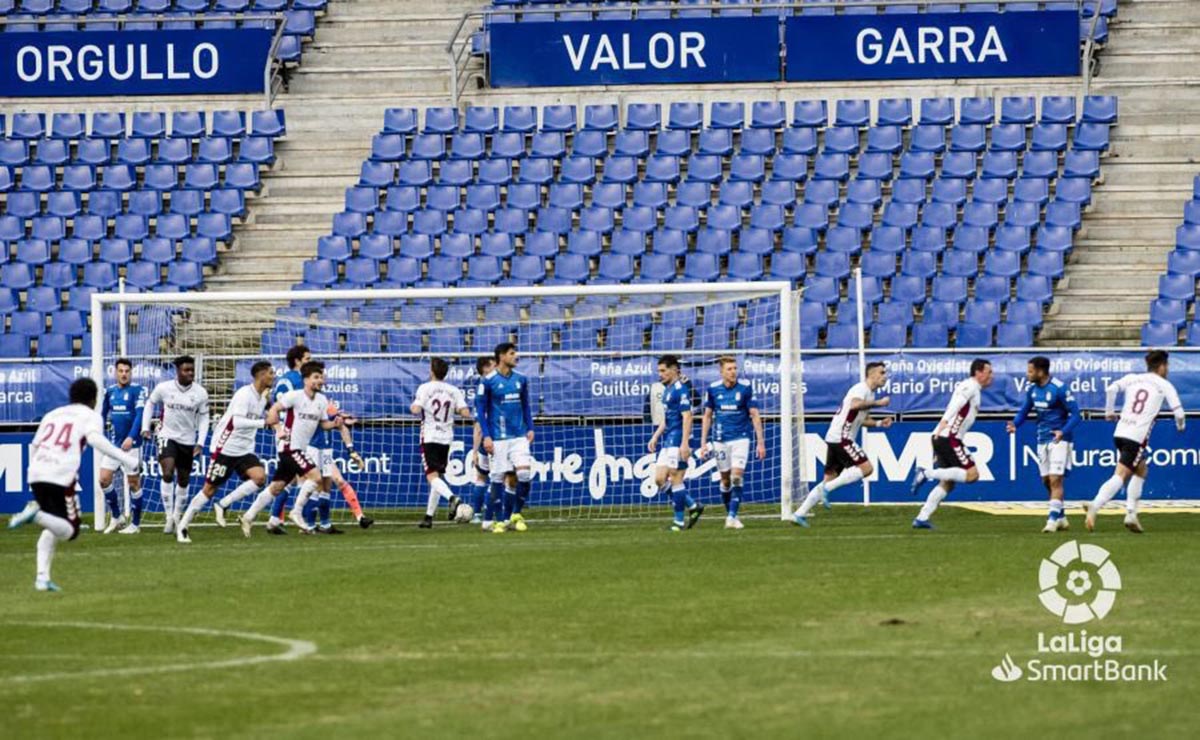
(507, 420)
(731, 412)
(482, 461)
(1057, 416)
(122, 414)
(675, 432)
(288, 382)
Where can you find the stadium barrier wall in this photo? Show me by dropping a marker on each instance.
(920, 382)
(135, 62)
(806, 48)
(571, 472)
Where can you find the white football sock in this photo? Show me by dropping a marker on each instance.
(263, 501)
(432, 503)
(1056, 507)
(847, 476)
(60, 527)
(247, 488)
(811, 500)
(958, 475)
(54, 528)
(1110, 488)
(193, 509)
(181, 501)
(168, 499)
(306, 491)
(1133, 493)
(441, 488)
(931, 503)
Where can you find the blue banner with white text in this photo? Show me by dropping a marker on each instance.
(932, 46)
(160, 62)
(668, 50)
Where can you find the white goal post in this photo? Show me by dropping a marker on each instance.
(590, 352)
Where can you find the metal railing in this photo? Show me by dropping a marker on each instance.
(1089, 48)
(458, 48)
(271, 69)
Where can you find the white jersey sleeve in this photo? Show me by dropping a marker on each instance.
(58, 444)
(848, 421)
(962, 410)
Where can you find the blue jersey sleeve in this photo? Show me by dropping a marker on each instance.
(751, 401)
(1074, 417)
(106, 408)
(710, 400)
(1026, 405)
(526, 406)
(484, 401)
(139, 410)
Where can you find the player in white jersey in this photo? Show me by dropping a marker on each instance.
(954, 463)
(1144, 397)
(437, 403)
(181, 436)
(845, 461)
(303, 412)
(233, 449)
(54, 461)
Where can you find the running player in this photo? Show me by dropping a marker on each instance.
(508, 432)
(845, 461)
(483, 468)
(1057, 417)
(233, 448)
(306, 411)
(954, 462)
(1144, 397)
(437, 402)
(288, 382)
(53, 471)
(184, 427)
(675, 433)
(122, 410)
(730, 401)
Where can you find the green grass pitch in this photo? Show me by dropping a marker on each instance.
(858, 627)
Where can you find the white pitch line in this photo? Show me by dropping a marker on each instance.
(296, 649)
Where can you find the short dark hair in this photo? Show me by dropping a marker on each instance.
(1040, 363)
(123, 361)
(259, 367)
(669, 361)
(872, 365)
(183, 360)
(312, 367)
(482, 363)
(295, 354)
(978, 365)
(1156, 358)
(503, 348)
(439, 367)
(83, 391)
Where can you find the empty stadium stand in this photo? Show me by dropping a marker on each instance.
(88, 200)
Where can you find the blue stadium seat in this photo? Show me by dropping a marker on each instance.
(937, 111)
(1018, 110)
(809, 114)
(1160, 334)
(1058, 109)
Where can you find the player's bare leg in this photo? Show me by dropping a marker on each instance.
(1111, 488)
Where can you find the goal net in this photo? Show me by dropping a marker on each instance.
(590, 353)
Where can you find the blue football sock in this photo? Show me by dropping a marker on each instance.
(680, 499)
(523, 488)
(310, 512)
(494, 502)
(479, 492)
(687, 498)
(510, 500)
(725, 495)
(325, 507)
(735, 501)
(278, 505)
(114, 505)
(137, 509)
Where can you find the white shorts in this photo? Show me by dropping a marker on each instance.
(1054, 458)
(112, 464)
(731, 455)
(508, 455)
(668, 457)
(323, 459)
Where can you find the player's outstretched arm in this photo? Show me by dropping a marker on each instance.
(1176, 407)
(1022, 414)
(1110, 397)
(97, 441)
(1074, 415)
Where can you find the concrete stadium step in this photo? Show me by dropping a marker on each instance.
(1100, 279)
(1119, 229)
(367, 54)
(437, 28)
(344, 80)
(1131, 172)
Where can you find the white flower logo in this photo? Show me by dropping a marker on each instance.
(1080, 561)
(1078, 582)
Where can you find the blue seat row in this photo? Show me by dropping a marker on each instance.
(144, 125)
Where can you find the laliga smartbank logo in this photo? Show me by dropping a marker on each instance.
(1078, 584)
